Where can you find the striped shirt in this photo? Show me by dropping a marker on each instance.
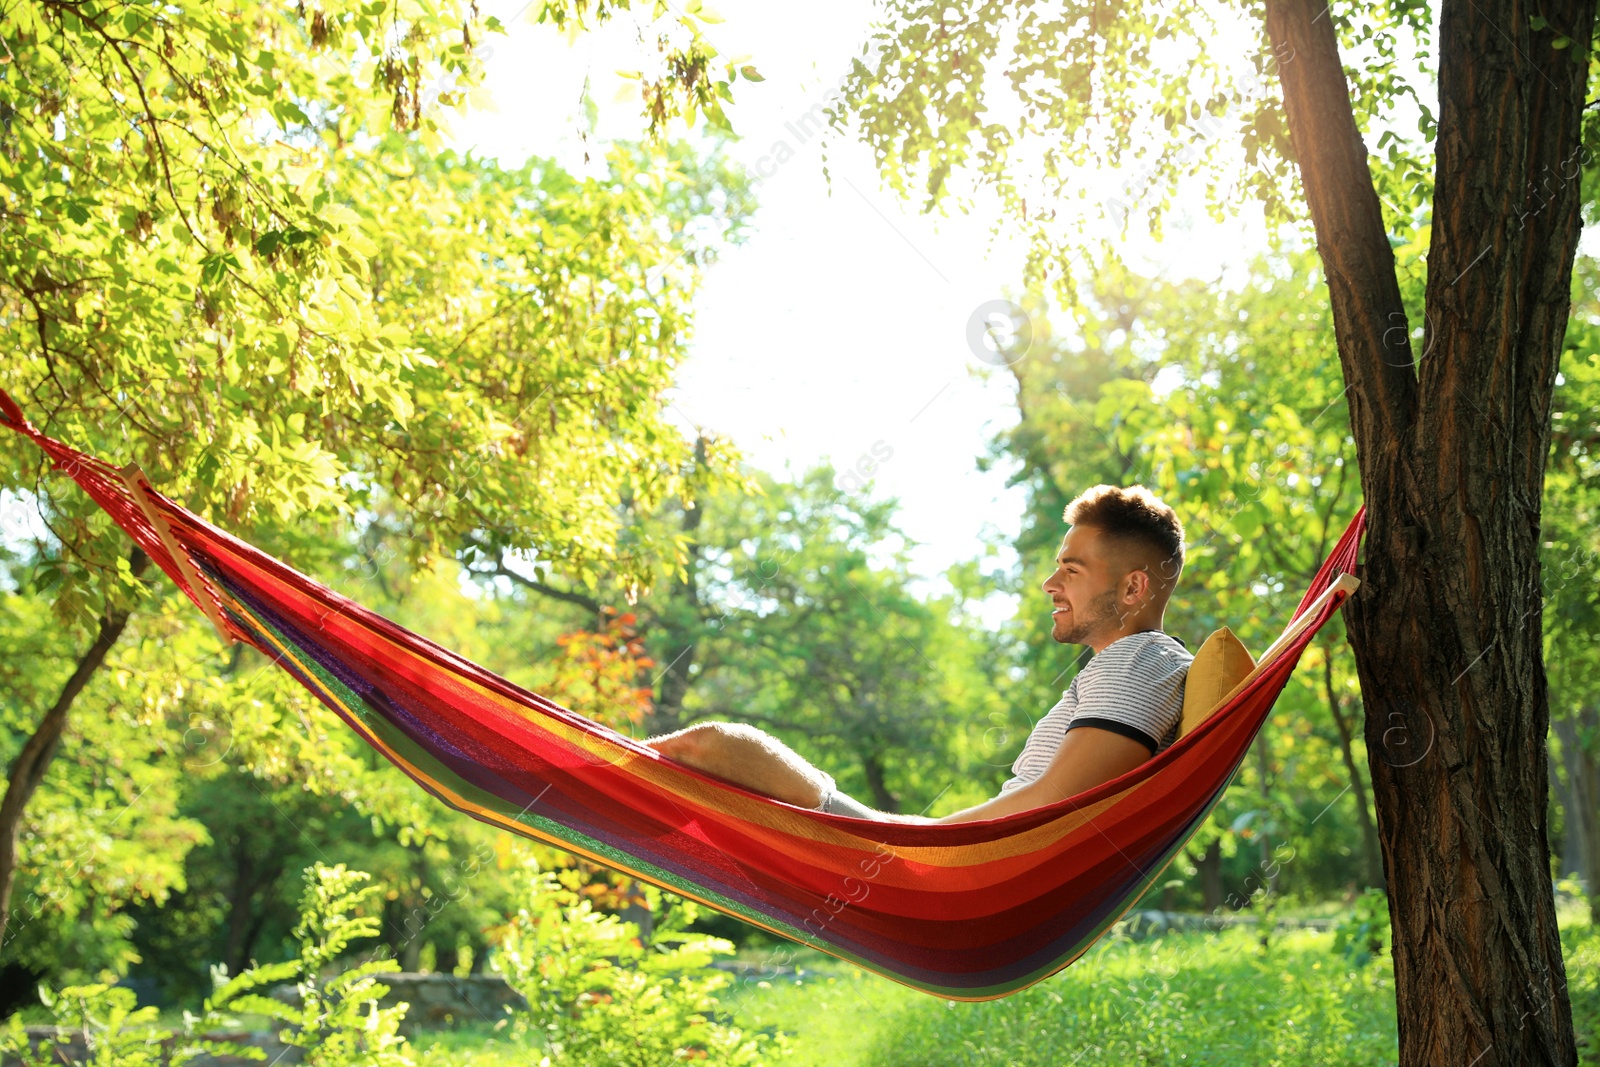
(1133, 687)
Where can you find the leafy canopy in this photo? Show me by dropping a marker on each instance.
(230, 251)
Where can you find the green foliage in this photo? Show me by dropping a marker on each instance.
(108, 827)
(1221, 400)
(338, 1023)
(1082, 120)
(684, 80)
(1580, 943)
(1363, 934)
(232, 251)
(266, 294)
(599, 995)
(117, 1033)
(806, 619)
(1571, 515)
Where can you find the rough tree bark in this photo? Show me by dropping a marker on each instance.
(1452, 446)
(29, 768)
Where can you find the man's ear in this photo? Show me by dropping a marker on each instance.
(1136, 587)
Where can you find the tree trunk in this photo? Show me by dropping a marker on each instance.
(1372, 862)
(251, 882)
(29, 768)
(1210, 868)
(882, 799)
(1582, 807)
(236, 952)
(1446, 625)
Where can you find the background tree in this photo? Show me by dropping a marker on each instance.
(229, 251)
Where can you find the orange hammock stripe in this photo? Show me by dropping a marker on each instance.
(967, 911)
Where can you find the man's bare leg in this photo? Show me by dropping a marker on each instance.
(748, 757)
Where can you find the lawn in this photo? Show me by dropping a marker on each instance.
(1198, 998)
(1208, 998)
(1204, 998)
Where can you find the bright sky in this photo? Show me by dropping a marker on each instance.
(840, 330)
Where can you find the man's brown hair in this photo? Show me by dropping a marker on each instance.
(1132, 513)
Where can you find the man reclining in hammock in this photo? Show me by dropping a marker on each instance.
(1114, 574)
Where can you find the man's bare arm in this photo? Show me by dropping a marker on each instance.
(1087, 757)
(746, 756)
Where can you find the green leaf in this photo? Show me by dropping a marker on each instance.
(214, 268)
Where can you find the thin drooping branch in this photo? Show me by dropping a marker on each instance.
(34, 760)
(1371, 860)
(567, 596)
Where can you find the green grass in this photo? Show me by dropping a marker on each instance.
(1580, 944)
(474, 1045)
(1190, 999)
(1206, 998)
(828, 1013)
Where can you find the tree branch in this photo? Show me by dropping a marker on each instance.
(29, 768)
(582, 600)
(1369, 317)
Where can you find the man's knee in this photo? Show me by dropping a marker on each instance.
(748, 756)
(706, 741)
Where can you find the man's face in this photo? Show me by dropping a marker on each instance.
(1083, 588)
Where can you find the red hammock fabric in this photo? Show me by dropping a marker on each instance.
(968, 911)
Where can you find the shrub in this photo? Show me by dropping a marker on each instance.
(598, 994)
(339, 1023)
(1364, 933)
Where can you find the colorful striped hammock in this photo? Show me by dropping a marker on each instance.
(966, 911)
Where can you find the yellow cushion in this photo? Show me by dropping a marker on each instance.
(1221, 664)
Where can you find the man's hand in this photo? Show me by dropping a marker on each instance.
(1087, 757)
